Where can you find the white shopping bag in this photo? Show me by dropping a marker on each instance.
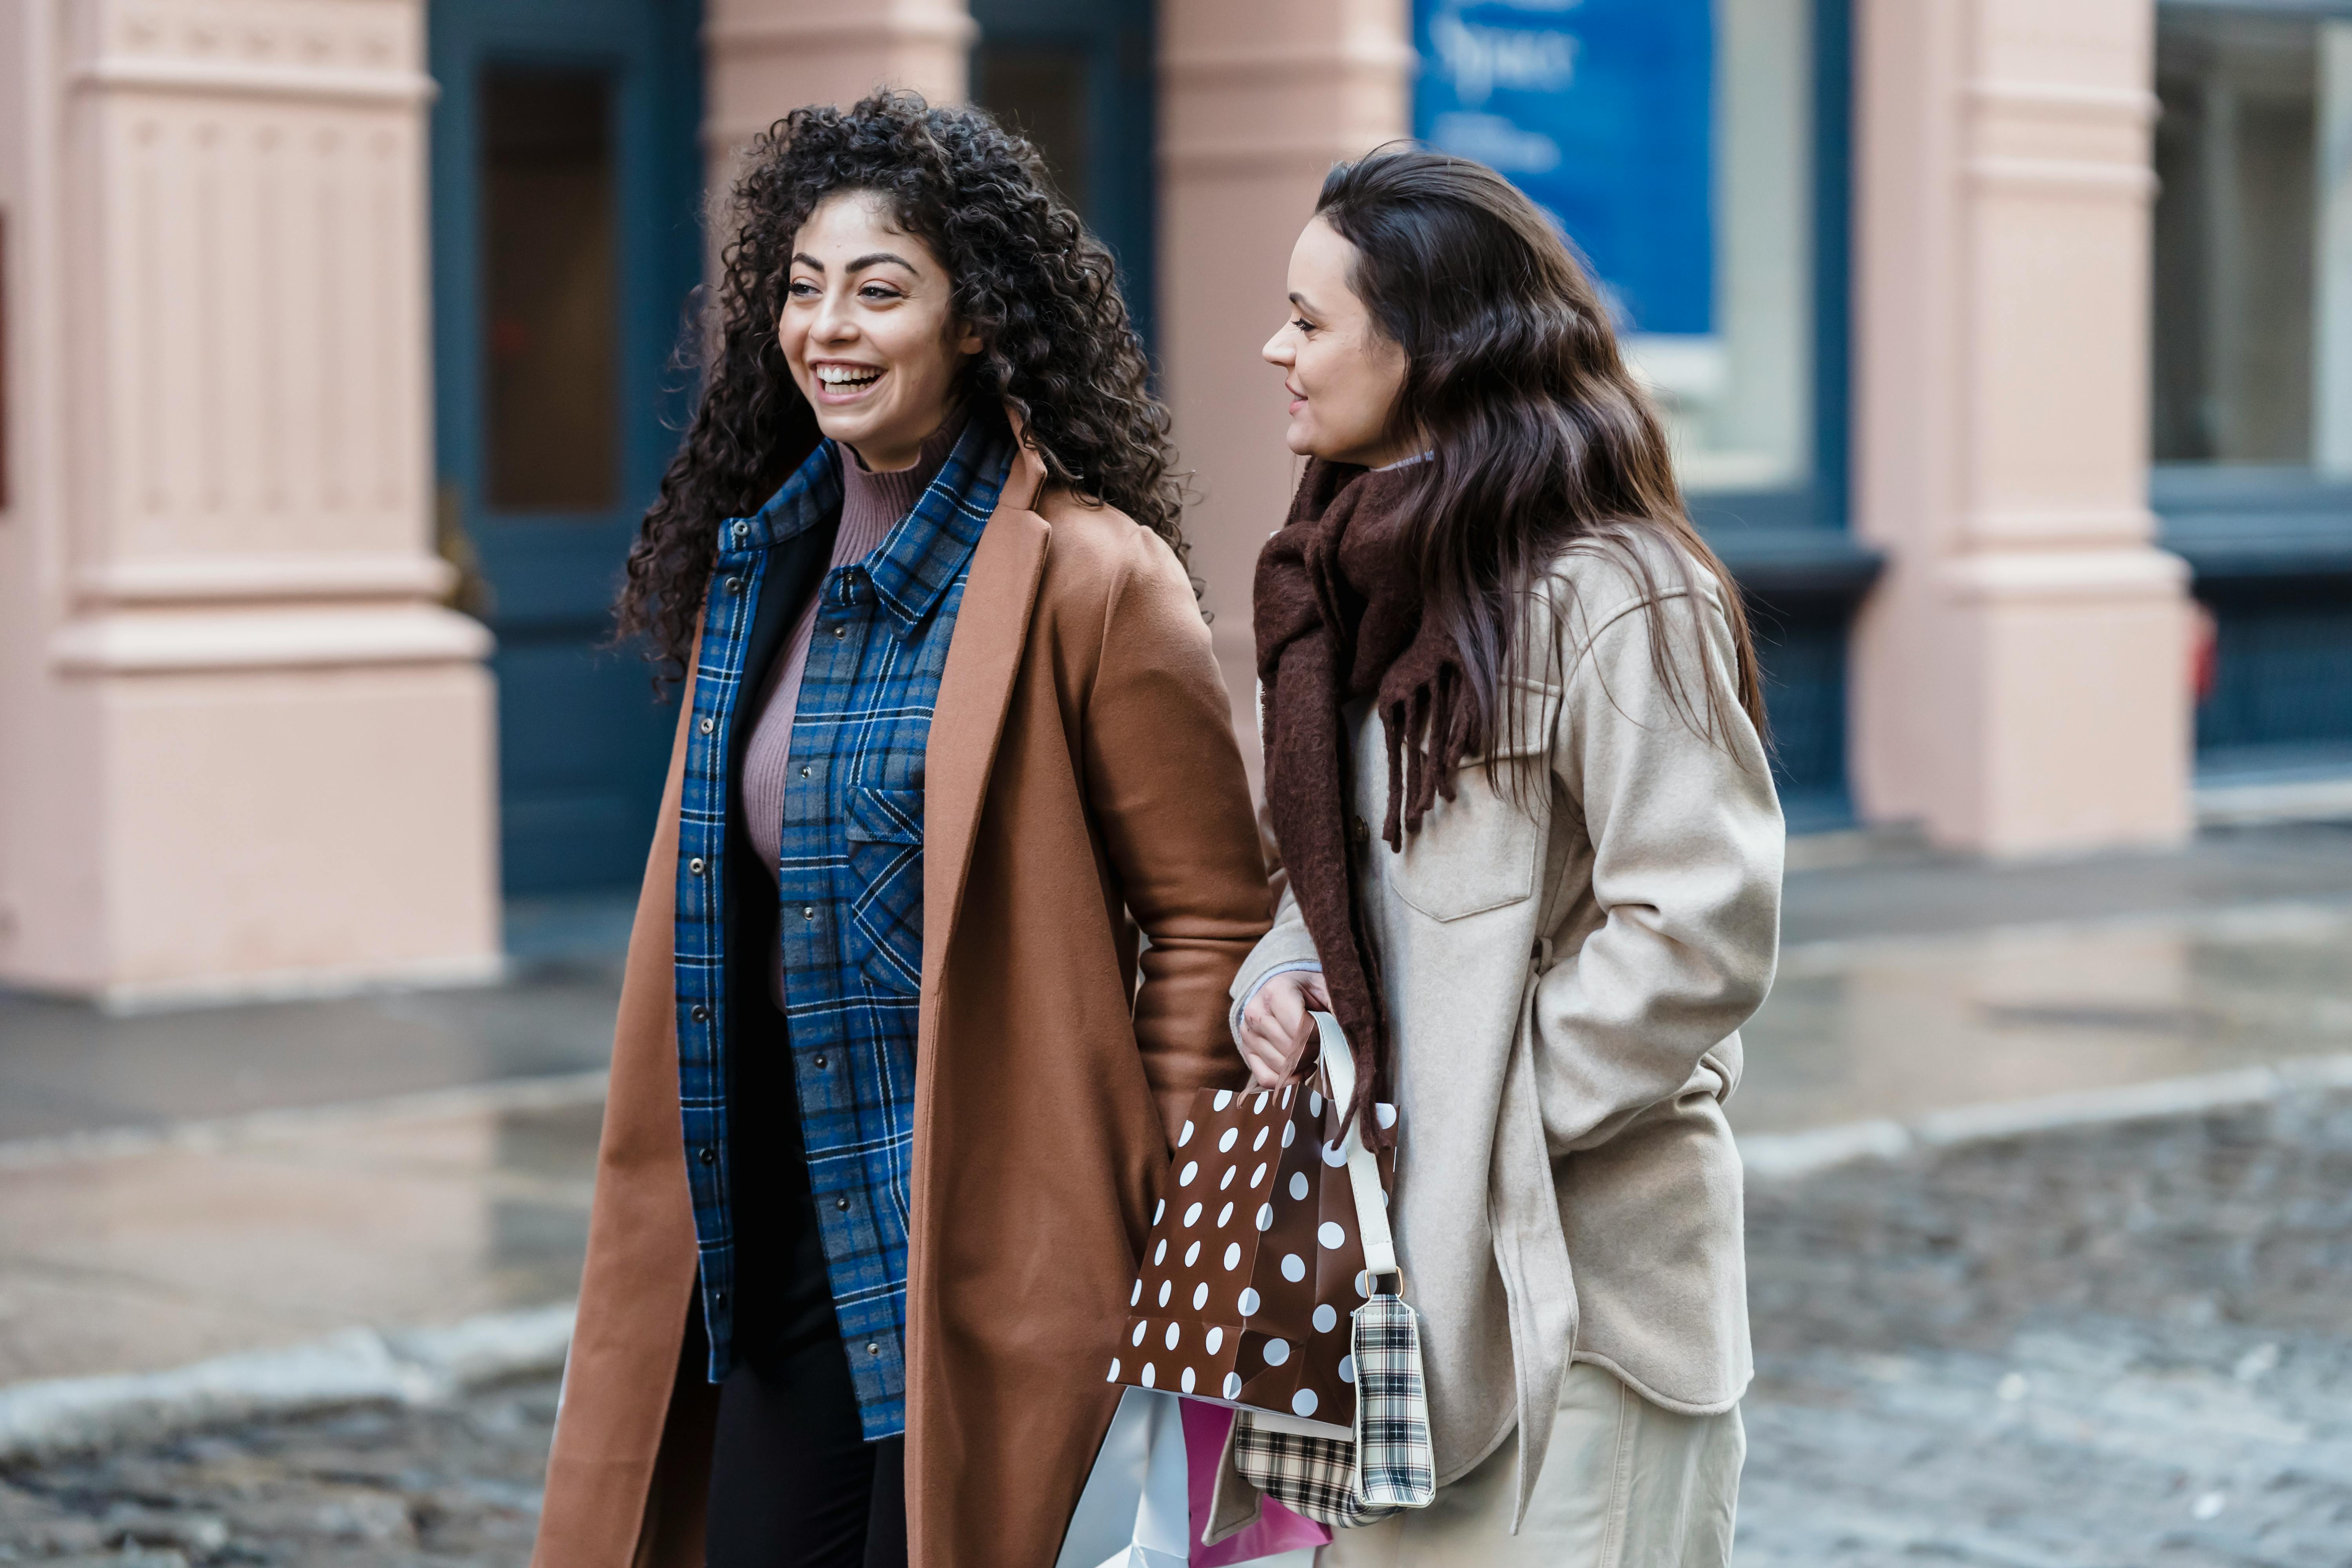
(1134, 1512)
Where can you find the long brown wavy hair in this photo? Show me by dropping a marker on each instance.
(1538, 434)
(1041, 293)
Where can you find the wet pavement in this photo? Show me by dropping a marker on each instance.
(2114, 1346)
(281, 1229)
(175, 1187)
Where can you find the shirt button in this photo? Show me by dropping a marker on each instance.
(742, 529)
(839, 633)
(695, 865)
(701, 1014)
(804, 772)
(873, 1348)
(734, 584)
(820, 1059)
(707, 725)
(841, 1203)
(808, 911)
(709, 1155)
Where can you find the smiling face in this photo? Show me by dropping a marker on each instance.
(1341, 372)
(869, 327)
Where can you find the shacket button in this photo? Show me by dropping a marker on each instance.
(742, 529)
(820, 1059)
(839, 633)
(872, 1348)
(718, 1297)
(695, 865)
(707, 725)
(808, 911)
(734, 584)
(701, 1014)
(841, 1203)
(709, 1155)
(804, 772)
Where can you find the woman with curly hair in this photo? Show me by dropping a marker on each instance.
(953, 737)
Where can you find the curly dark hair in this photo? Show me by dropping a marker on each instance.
(1040, 291)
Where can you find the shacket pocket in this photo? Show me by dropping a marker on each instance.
(1479, 850)
(886, 869)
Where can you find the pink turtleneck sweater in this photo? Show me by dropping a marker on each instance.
(871, 505)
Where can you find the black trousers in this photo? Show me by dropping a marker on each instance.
(794, 1483)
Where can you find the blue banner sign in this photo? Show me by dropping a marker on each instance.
(1602, 110)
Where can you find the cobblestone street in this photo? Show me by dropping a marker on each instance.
(2104, 1347)
(2107, 1330)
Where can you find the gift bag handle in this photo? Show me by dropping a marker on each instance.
(1363, 1169)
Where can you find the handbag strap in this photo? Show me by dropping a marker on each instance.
(1363, 1169)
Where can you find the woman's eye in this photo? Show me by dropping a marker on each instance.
(877, 293)
(802, 288)
(1303, 325)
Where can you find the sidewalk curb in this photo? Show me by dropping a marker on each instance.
(1792, 1156)
(358, 1366)
(559, 1091)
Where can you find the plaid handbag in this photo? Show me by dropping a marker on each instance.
(1386, 1464)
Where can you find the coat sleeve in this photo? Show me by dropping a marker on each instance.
(1286, 946)
(1165, 783)
(1686, 857)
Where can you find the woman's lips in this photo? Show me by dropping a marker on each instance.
(837, 394)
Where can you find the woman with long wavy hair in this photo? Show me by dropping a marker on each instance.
(1513, 759)
(892, 1084)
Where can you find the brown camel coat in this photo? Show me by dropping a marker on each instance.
(1081, 769)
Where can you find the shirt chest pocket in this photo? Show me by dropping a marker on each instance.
(1479, 851)
(886, 874)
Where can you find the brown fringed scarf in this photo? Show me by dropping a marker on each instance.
(1338, 618)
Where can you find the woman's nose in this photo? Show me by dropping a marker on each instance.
(833, 321)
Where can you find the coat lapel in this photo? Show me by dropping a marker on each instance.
(991, 631)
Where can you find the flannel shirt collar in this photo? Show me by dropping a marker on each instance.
(918, 561)
(809, 496)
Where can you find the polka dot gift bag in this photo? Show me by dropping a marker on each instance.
(1256, 1268)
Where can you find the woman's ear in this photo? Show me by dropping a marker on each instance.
(970, 343)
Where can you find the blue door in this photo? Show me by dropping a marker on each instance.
(1076, 77)
(566, 236)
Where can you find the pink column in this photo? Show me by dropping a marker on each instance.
(246, 750)
(2021, 678)
(1257, 102)
(763, 58)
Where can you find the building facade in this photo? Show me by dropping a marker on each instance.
(337, 350)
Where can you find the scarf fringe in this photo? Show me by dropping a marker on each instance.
(1428, 732)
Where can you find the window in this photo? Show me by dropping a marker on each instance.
(2243, 268)
(1076, 78)
(1040, 91)
(551, 287)
(1694, 152)
(2250, 405)
(1674, 142)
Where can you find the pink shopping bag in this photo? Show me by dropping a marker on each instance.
(1277, 1530)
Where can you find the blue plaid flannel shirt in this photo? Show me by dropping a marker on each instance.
(851, 882)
